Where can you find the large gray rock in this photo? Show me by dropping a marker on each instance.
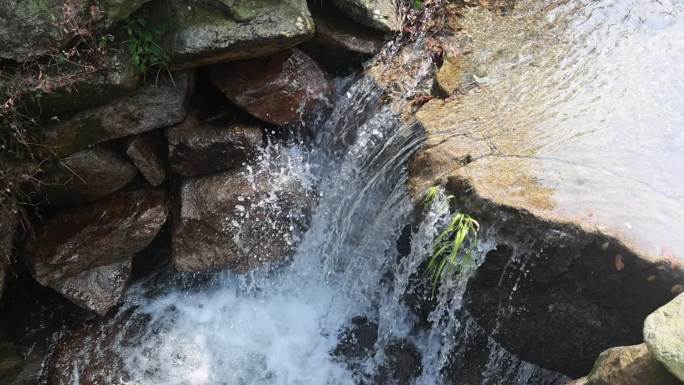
(117, 78)
(197, 147)
(284, 88)
(85, 176)
(85, 253)
(378, 14)
(212, 31)
(628, 365)
(156, 105)
(664, 335)
(143, 151)
(236, 220)
(29, 28)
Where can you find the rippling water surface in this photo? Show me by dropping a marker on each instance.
(585, 98)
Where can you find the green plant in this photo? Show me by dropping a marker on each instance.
(452, 250)
(417, 4)
(142, 45)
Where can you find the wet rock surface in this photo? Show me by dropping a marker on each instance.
(558, 281)
(284, 88)
(153, 106)
(629, 365)
(664, 335)
(357, 342)
(379, 14)
(85, 176)
(201, 147)
(401, 364)
(143, 151)
(85, 253)
(88, 354)
(237, 220)
(202, 33)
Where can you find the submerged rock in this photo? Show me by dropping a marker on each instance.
(628, 365)
(402, 364)
(237, 220)
(198, 147)
(357, 342)
(664, 335)
(379, 14)
(284, 88)
(85, 176)
(85, 253)
(212, 31)
(153, 106)
(143, 151)
(30, 28)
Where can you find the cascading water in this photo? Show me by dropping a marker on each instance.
(283, 326)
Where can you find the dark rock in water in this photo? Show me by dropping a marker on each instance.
(85, 253)
(236, 220)
(340, 43)
(152, 106)
(284, 88)
(629, 365)
(213, 31)
(402, 364)
(143, 151)
(32, 28)
(198, 147)
(357, 342)
(8, 228)
(564, 295)
(18, 366)
(85, 176)
(89, 355)
(379, 14)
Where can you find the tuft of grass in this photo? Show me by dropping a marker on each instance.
(452, 250)
(143, 46)
(417, 4)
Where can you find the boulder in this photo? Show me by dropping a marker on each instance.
(155, 105)
(629, 365)
(85, 253)
(237, 220)
(198, 147)
(280, 89)
(379, 14)
(143, 151)
(664, 335)
(8, 228)
(339, 42)
(85, 176)
(56, 93)
(212, 31)
(31, 28)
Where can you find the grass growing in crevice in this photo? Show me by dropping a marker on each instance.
(143, 45)
(453, 249)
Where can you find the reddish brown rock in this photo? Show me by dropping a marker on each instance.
(143, 151)
(280, 89)
(199, 147)
(85, 253)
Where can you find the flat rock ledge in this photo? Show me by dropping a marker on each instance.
(664, 335)
(555, 277)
